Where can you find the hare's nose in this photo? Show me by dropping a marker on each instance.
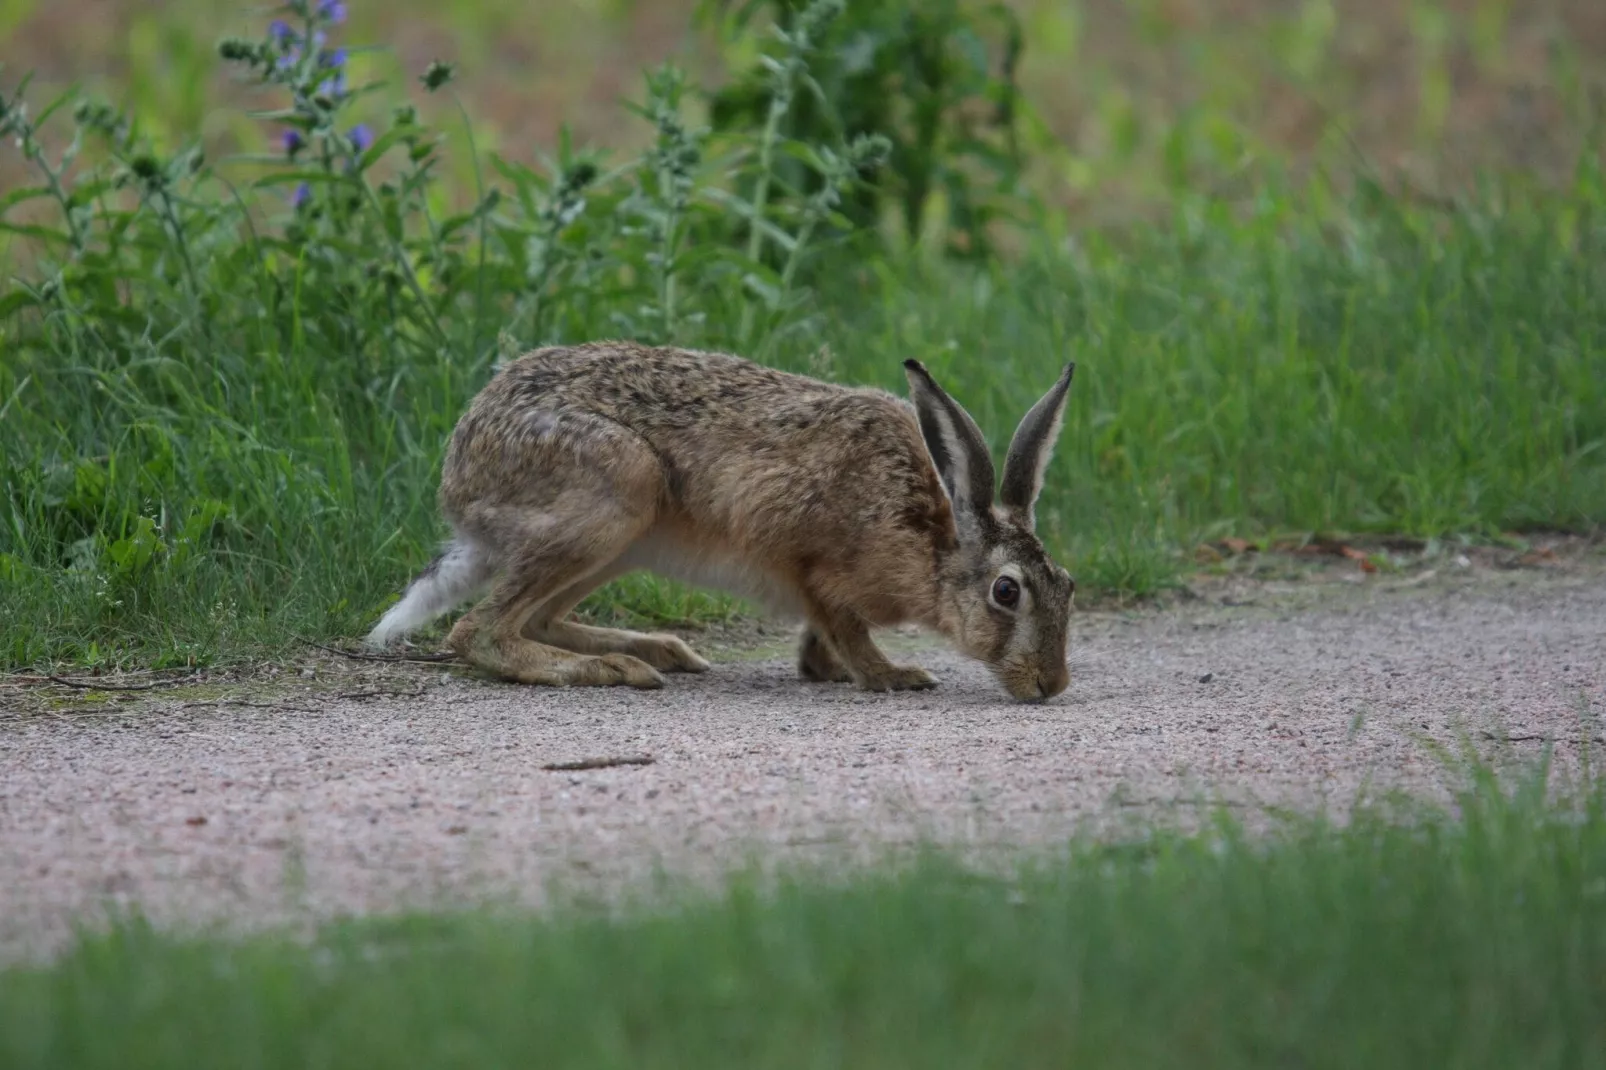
(1052, 683)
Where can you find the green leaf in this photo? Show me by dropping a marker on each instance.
(18, 196)
(16, 300)
(382, 145)
(286, 178)
(45, 234)
(61, 101)
(764, 283)
(136, 550)
(743, 208)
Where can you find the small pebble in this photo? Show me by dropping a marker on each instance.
(1207, 677)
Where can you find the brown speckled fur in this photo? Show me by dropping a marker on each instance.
(577, 464)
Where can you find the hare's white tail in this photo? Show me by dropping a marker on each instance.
(460, 571)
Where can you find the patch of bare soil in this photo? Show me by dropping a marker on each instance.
(346, 786)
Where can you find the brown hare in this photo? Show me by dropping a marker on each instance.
(850, 508)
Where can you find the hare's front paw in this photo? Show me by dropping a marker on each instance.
(898, 678)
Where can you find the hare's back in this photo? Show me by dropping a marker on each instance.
(753, 464)
(637, 383)
(725, 426)
(678, 398)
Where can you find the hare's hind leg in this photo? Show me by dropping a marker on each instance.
(491, 635)
(564, 536)
(665, 652)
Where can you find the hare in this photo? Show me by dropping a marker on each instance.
(848, 507)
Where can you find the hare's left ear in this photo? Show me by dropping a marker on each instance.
(957, 449)
(1031, 449)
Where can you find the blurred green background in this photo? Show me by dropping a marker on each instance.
(1429, 92)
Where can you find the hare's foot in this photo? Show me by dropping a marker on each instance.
(606, 670)
(665, 652)
(847, 636)
(530, 662)
(898, 678)
(817, 663)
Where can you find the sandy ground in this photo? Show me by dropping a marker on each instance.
(343, 787)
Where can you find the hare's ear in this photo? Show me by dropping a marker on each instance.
(1031, 449)
(955, 444)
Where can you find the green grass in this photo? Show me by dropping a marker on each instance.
(1467, 941)
(1437, 376)
(221, 420)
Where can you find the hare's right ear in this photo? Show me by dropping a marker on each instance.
(1030, 451)
(956, 446)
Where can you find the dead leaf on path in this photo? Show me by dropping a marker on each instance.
(1360, 556)
(196, 821)
(1323, 545)
(1236, 546)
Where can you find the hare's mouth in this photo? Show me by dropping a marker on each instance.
(1030, 688)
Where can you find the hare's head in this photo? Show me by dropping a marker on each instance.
(1003, 601)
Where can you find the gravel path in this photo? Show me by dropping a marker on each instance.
(310, 805)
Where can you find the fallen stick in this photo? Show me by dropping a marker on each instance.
(358, 696)
(600, 763)
(215, 703)
(1535, 738)
(84, 685)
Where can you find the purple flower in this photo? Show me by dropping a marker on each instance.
(337, 58)
(361, 137)
(299, 197)
(293, 141)
(279, 30)
(333, 87)
(332, 11)
(289, 59)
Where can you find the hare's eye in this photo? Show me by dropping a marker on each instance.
(1006, 592)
